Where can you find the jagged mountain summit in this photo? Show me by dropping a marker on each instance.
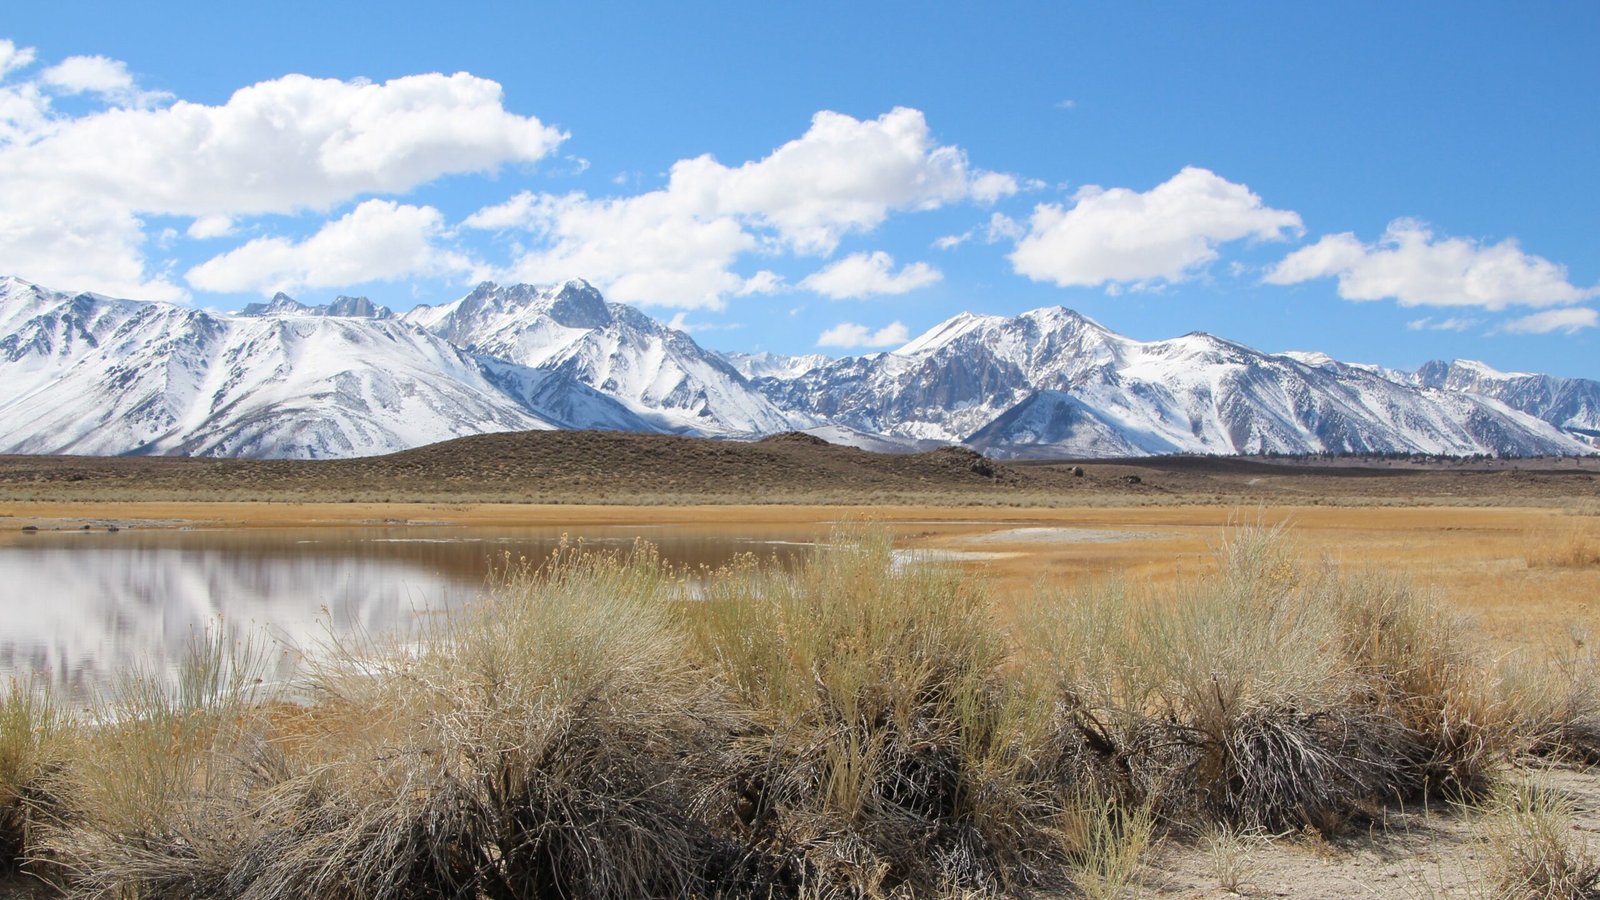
(775, 365)
(1571, 404)
(94, 375)
(282, 304)
(1051, 382)
(659, 373)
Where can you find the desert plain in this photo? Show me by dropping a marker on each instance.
(1512, 546)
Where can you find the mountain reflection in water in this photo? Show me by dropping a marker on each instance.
(76, 607)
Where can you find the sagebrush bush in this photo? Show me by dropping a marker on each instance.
(34, 743)
(602, 726)
(1556, 701)
(886, 751)
(552, 740)
(1269, 696)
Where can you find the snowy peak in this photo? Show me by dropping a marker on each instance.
(659, 373)
(774, 365)
(87, 374)
(1053, 382)
(578, 305)
(1570, 404)
(281, 304)
(91, 374)
(342, 307)
(945, 332)
(357, 308)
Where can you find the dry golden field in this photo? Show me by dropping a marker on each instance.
(1525, 574)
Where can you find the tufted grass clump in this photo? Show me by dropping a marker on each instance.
(885, 751)
(550, 741)
(35, 741)
(146, 803)
(1272, 696)
(1531, 849)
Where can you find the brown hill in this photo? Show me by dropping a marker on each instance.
(558, 466)
(620, 467)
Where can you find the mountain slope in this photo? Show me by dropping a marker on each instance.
(659, 373)
(1571, 404)
(1053, 382)
(94, 375)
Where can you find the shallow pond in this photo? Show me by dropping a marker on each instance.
(77, 606)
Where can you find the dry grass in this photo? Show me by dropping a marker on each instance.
(1531, 849)
(142, 804)
(862, 727)
(1574, 548)
(1417, 663)
(1271, 696)
(1106, 842)
(885, 752)
(552, 741)
(1233, 856)
(34, 743)
(1557, 699)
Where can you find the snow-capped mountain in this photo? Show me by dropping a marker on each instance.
(659, 373)
(282, 304)
(93, 375)
(774, 365)
(1051, 382)
(1570, 404)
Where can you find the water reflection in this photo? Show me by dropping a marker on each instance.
(78, 606)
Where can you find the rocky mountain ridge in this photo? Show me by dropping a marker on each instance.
(96, 375)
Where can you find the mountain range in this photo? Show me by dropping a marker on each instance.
(88, 374)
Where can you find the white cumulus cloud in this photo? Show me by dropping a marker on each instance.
(678, 246)
(849, 335)
(866, 274)
(1409, 265)
(379, 240)
(89, 74)
(1568, 320)
(639, 249)
(843, 175)
(1120, 236)
(285, 145)
(78, 187)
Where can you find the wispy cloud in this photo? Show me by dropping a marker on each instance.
(1568, 321)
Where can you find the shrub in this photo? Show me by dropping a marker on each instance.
(146, 801)
(1418, 665)
(886, 751)
(35, 736)
(1239, 701)
(550, 741)
(1531, 849)
(1557, 701)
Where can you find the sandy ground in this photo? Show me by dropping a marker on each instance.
(1426, 853)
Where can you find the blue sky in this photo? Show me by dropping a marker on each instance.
(1384, 182)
